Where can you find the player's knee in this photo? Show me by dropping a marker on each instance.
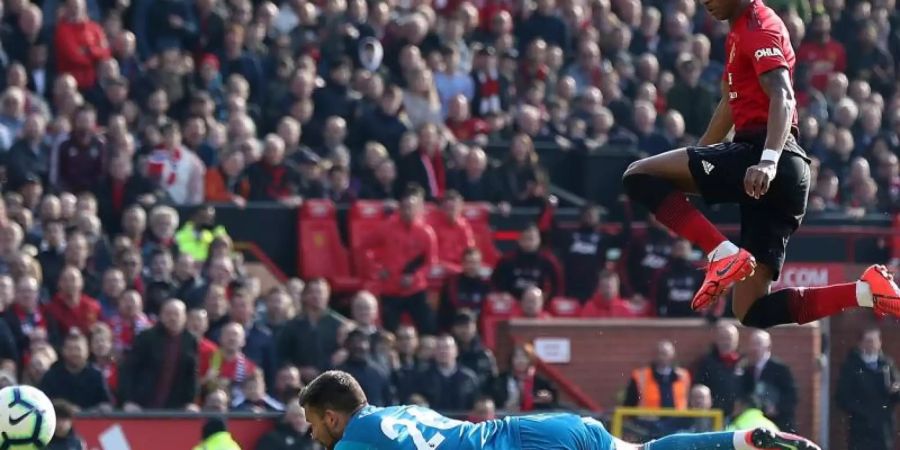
(646, 189)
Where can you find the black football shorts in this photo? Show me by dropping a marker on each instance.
(767, 223)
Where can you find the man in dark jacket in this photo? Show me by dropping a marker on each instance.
(771, 380)
(868, 390)
(473, 355)
(308, 341)
(677, 282)
(718, 369)
(29, 156)
(121, 189)
(384, 124)
(584, 252)
(74, 380)
(375, 383)
(528, 266)
(290, 433)
(446, 385)
(161, 369)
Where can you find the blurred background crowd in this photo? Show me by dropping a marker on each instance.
(113, 112)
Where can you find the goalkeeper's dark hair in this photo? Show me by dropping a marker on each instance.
(334, 390)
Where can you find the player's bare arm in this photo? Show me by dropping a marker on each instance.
(777, 85)
(721, 122)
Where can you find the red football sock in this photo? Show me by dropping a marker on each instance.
(809, 304)
(677, 213)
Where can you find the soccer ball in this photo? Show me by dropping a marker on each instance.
(27, 418)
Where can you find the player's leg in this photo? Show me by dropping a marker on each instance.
(659, 183)
(756, 439)
(766, 227)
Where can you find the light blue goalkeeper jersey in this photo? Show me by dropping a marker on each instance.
(417, 428)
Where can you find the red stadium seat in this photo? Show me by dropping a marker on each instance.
(497, 308)
(366, 218)
(479, 217)
(565, 307)
(322, 254)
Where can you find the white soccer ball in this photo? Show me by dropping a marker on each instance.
(27, 418)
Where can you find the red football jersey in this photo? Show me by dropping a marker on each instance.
(758, 42)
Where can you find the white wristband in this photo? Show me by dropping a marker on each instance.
(770, 155)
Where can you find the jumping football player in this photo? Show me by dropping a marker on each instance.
(341, 419)
(763, 170)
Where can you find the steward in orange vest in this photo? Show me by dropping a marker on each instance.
(661, 384)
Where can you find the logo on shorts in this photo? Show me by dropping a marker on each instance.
(707, 166)
(768, 52)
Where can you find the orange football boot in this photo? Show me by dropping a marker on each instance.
(721, 275)
(885, 293)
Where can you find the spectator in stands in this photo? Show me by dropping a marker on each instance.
(79, 162)
(446, 385)
(425, 166)
(71, 307)
(822, 54)
(51, 255)
(198, 324)
(253, 397)
(226, 182)
(662, 384)
(163, 222)
(718, 369)
(309, 340)
(272, 179)
(677, 282)
(228, 365)
(384, 184)
(453, 232)
(770, 380)
(64, 436)
(364, 312)
(584, 250)
(80, 44)
(646, 257)
(112, 287)
(467, 289)
(532, 304)
(521, 388)
(159, 285)
(384, 124)
(279, 310)
(175, 168)
(473, 181)
(868, 391)
(405, 268)
(102, 356)
(518, 177)
(608, 301)
(74, 380)
(190, 285)
(409, 365)
(161, 369)
(120, 189)
(472, 353)
(29, 155)
(128, 321)
(291, 431)
(260, 344)
(25, 319)
(287, 384)
(529, 265)
(374, 381)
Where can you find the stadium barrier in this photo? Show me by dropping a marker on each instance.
(654, 415)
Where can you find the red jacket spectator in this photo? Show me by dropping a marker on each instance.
(454, 234)
(406, 248)
(70, 307)
(821, 54)
(80, 44)
(228, 362)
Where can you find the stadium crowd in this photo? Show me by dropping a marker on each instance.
(112, 112)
